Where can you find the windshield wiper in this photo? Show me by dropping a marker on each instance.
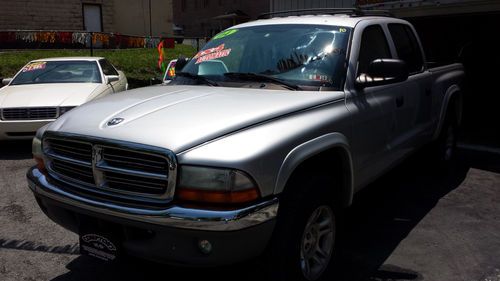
(199, 78)
(259, 77)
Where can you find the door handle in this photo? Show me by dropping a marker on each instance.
(400, 101)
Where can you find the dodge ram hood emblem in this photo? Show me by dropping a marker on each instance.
(115, 121)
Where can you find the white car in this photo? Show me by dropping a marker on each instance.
(45, 89)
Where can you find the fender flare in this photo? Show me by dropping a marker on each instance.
(453, 91)
(311, 148)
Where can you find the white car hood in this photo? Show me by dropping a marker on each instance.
(181, 117)
(41, 95)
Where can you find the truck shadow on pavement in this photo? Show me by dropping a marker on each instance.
(15, 150)
(382, 215)
(385, 213)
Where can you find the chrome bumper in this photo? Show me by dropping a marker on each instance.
(175, 216)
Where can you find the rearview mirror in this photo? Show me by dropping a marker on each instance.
(112, 78)
(6, 81)
(382, 72)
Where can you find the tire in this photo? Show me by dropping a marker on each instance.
(303, 243)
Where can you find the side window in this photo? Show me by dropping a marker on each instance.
(407, 46)
(373, 46)
(107, 68)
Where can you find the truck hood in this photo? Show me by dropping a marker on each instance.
(181, 117)
(41, 95)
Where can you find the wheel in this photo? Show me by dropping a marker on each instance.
(316, 246)
(303, 243)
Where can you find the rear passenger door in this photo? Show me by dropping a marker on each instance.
(413, 102)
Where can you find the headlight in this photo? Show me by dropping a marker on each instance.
(37, 150)
(38, 154)
(36, 147)
(65, 109)
(214, 185)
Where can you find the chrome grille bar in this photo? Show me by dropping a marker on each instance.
(107, 168)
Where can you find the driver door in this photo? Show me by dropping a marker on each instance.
(373, 111)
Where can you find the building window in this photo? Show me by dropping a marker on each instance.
(92, 17)
(221, 2)
(206, 3)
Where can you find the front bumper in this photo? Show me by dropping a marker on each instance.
(13, 130)
(170, 235)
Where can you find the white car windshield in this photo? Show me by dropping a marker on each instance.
(297, 54)
(41, 72)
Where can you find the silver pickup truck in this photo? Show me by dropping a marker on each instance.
(255, 146)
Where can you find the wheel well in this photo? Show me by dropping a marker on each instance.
(334, 165)
(453, 101)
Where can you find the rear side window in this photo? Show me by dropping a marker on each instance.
(373, 46)
(407, 46)
(107, 68)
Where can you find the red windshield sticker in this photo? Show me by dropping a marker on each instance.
(212, 54)
(35, 66)
(317, 77)
(209, 51)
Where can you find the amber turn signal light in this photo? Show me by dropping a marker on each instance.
(40, 164)
(218, 197)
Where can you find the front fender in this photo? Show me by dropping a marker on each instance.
(311, 148)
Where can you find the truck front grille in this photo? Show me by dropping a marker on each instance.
(28, 113)
(124, 170)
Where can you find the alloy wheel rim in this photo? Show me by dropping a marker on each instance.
(317, 243)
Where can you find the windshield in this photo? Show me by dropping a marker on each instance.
(303, 55)
(58, 72)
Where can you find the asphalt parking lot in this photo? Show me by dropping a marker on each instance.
(412, 224)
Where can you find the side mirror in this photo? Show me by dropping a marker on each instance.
(383, 72)
(6, 81)
(180, 63)
(112, 78)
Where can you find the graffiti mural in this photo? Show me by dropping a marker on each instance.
(76, 40)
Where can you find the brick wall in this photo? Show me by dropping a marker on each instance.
(50, 14)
